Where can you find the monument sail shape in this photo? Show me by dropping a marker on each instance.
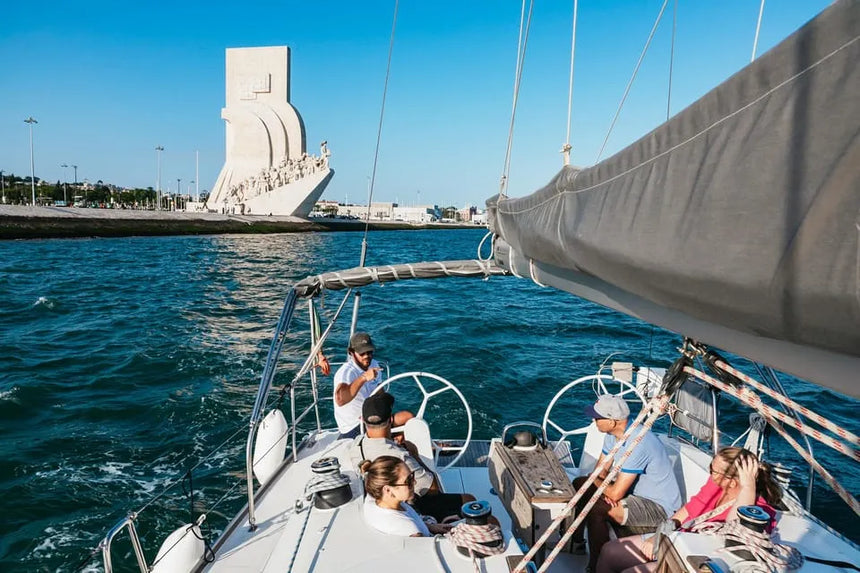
(267, 169)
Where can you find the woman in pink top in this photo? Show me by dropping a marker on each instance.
(736, 479)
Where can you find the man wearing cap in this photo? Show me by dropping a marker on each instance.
(645, 492)
(354, 381)
(429, 500)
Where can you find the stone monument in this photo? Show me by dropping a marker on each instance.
(267, 170)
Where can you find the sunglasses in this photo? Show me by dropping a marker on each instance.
(368, 353)
(410, 481)
(714, 472)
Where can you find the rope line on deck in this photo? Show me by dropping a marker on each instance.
(753, 400)
(785, 400)
(651, 411)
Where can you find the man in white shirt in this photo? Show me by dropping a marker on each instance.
(354, 381)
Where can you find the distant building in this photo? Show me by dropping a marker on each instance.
(379, 211)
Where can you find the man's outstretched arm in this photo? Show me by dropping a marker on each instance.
(346, 393)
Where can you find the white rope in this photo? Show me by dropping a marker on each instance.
(522, 42)
(753, 400)
(633, 77)
(651, 411)
(567, 146)
(481, 246)
(769, 555)
(757, 30)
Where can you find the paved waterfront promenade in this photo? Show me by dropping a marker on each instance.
(23, 222)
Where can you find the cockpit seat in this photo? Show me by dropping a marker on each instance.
(417, 431)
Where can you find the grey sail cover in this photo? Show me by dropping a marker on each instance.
(742, 211)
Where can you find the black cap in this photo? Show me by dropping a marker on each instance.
(360, 343)
(376, 410)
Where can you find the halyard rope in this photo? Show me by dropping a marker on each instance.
(752, 400)
(838, 430)
(652, 411)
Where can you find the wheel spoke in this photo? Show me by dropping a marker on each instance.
(420, 385)
(439, 391)
(556, 426)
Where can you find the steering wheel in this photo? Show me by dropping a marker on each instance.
(416, 377)
(600, 384)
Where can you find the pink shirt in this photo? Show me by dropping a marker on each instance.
(709, 496)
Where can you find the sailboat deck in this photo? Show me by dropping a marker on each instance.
(288, 539)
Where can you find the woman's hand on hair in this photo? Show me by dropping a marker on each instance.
(747, 467)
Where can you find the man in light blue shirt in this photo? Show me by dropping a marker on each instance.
(645, 492)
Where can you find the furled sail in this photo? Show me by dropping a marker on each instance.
(736, 222)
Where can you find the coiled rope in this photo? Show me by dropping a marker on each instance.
(474, 538)
(770, 556)
(325, 482)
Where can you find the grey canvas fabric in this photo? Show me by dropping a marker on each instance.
(743, 210)
(362, 276)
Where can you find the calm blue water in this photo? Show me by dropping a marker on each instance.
(123, 362)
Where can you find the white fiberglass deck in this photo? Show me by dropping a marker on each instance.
(339, 541)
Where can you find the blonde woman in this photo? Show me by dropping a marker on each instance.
(390, 485)
(737, 478)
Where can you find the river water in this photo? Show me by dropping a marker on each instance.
(124, 362)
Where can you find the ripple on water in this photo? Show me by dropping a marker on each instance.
(125, 361)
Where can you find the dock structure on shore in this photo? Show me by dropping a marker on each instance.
(26, 222)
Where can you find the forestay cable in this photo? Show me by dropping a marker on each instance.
(633, 77)
(671, 59)
(757, 30)
(378, 135)
(565, 149)
(522, 42)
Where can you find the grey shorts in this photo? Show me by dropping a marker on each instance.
(641, 515)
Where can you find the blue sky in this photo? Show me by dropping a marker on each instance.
(108, 81)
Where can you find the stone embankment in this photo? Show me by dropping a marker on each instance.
(21, 222)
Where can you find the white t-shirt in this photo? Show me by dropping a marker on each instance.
(347, 416)
(393, 522)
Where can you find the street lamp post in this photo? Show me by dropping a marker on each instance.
(158, 150)
(178, 193)
(75, 182)
(197, 175)
(31, 121)
(3, 186)
(65, 184)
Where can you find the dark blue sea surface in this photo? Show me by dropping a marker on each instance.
(124, 362)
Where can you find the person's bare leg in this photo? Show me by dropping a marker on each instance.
(622, 554)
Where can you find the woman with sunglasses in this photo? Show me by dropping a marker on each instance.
(390, 485)
(737, 478)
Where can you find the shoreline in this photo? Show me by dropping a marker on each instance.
(24, 222)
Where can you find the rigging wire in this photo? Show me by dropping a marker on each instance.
(378, 135)
(565, 149)
(633, 77)
(757, 30)
(522, 42)
(671, 59)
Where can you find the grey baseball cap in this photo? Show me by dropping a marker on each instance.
(609, 407)
(360, 343)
